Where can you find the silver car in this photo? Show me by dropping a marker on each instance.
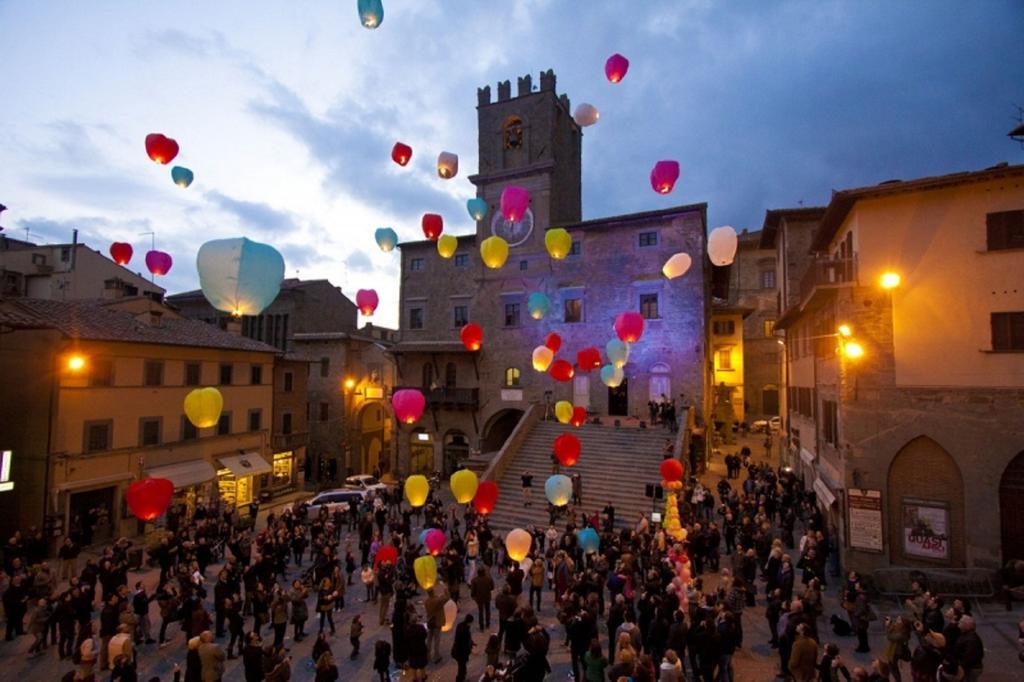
(333, 500)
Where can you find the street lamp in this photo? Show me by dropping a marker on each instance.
(76, 363)
(890, 280)
(853, 350)
(350, 383)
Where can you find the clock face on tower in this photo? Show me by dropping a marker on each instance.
(514, 233)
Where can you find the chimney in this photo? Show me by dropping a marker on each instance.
(234, 325)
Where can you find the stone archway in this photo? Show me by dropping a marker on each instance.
(498, 428)
(1011, 508)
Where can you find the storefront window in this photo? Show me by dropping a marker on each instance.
(284, 463)
(234, 491)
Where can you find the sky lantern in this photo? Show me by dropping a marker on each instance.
(451, 613)
(181, 176)
(446, 245)
(387, 554)
(567, 449)
(386, 238)
(158, 262)
(671, 470)
(558, 242)
(425, 568)
(563, 411)
(518, 543)
(240, 276)
(401, 153)
(538, 304)
(612, 376)
(514, 202)
(553, 341)
(150, 497)
(408, 404)
(629, 326)
(447, 165)
(561, 370)
(494, 252)
(586, 115)
(203, 407)
(161, 148)
(588, 359)
(416, 489)
(433, 225)
(486, 497)
(434, 541)
(121, 252)
(589, 540)
(472, 336)
(617, 352)
(722, 245)
(579, 416)
(542, 357)
(664, 176)
(463, 484)
(616, 67)
(677, 265)
(371, 13)
(477, 208)
(558, 489)
(366, 301)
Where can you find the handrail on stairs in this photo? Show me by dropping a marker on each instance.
(501, 460)
(681, 448)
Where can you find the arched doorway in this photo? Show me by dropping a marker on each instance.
(456, 451)
(660, 387)
(421, 452)
(618, 399)
(498, 428)
(1011, 508)
(926, 513)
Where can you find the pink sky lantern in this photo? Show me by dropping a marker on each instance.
(121, 252)
(629, 326)
(561, 370)
(514, 202)
(664, 176)
(434, 541)
(433, 226)
(158, 262)
(366, 301)
(616, 67)
(401, 153)
(408, 404)
(553, 341)
(588, 359)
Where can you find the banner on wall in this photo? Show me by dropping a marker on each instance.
(865, 519)
(926, 529)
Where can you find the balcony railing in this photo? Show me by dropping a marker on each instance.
(828, 272)
(449, 398)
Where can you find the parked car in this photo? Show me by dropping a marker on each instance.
(332, 499)
(773, 423)
(365, 482)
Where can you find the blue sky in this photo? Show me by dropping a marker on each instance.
(286, 112)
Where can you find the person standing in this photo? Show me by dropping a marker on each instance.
(537, 574)
(803, 656)
(68, 555)
(354, 633)
(480, 589)
(211, 656)
(862, 616)
(527, 481)
(969, 650)
(462, 646)
(434, 608)
(279, 615)
(140, 606)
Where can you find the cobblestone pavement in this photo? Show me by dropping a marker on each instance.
(755, 662)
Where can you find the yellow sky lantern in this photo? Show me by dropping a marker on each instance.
(203, 407)
(425, 568)
(558, 243)
(446, 245)
(494, 252)
(416, 489)
(542, 357)
(563, 411)
(463, 484)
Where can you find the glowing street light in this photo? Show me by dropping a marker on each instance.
(845, 331)
(890, 280)
(853, 350)
(76, 363)
(350, 383)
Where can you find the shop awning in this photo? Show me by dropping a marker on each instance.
(246, 465)
(184, 474)
(824, 494)
(807, 456)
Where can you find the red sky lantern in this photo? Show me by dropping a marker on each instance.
(579, 416)
(433, 226)
(567, 449)
(434, 541)
(150, 497)
(472, 336)
(616, 67)
(486, 497)
(158, 262)
(401, 153)
(385, 554)
(671, 470)
(514, 202)
(553, 341)
(629, 326)
(588, 359)
(561, 370)
(664, 176)
(408, 404)
(366, 301)
(160, 148)
(121, 252)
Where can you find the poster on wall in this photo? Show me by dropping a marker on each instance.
(865, 522)
(926, 529)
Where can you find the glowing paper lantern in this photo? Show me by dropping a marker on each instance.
(561, 370)
(671, 470)
(408, 404)
(722, 245)
(158, 262)
(586, 115)
(416, 490)
(451, 612)
(203, 407)
(617, 352)
(558, 489)
(494, 252)
(386, 238)
(518, 543)
(542, 357)
(664, 176)
(677, 265)
(589, 540)
(563, 411)
(612, 376)
(150, 497)
(121, 252)
(425, 568)
(553, 341)
(433, 225)
(181, 176)
(161, 148)
(434, 541)
(567, 449)
(446, 245)
(386, 554)
(514, 202)
(616, 67)
(629, 326)
(588, 359)
(447, 165)
(401, 153)
(371, 13)
(366, 301)
(463, 484)
(240, 276)
(558, 242)
(538, 304)
(579, 416)
(472, 336)
(477, 208)
(486, 497)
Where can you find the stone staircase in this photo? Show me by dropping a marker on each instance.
(615, 465)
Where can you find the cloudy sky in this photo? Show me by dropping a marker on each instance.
(286, 112)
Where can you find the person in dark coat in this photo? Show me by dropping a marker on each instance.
(252, 658)
(416, 644)
(462, 646)
(382, 659)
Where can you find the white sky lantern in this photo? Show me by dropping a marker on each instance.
(677, 265)
(239, 276)
(586, 115)
(722, 244)
(447, 165)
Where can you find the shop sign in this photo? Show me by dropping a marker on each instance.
(864, 508)
(926, 529)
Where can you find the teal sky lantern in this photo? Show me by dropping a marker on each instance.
(538, 304)
(239, 276)
(477, 208)
(386, 238)
(612, 376)
(558, 490)
(371, 13)
(617, 352)
(182, 176)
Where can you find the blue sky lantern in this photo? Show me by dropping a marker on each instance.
(589, 540)
(386, 238)
(617, 352)
(538, 304)
(182, 176)
(371, 13)
(477, 208)
(612, 376)
(239, 276)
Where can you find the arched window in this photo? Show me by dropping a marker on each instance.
(449, 375)
(660, 386)
(512, 376)
(512, 132)
(428, 375)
